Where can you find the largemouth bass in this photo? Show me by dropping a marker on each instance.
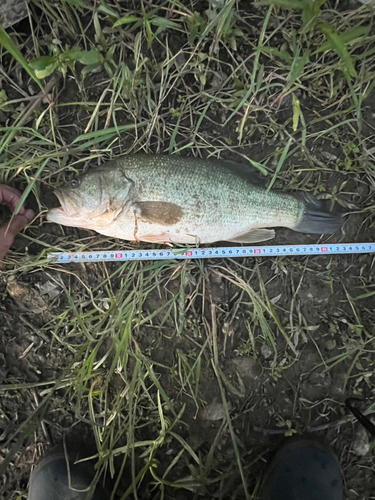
(170, 199)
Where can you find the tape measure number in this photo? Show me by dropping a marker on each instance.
(212, 253)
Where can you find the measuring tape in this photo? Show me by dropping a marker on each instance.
(212, 253)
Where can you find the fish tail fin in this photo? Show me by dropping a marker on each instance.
(318, 218)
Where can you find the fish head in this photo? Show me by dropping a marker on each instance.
(92, 200)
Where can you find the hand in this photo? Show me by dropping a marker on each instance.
(10, 197)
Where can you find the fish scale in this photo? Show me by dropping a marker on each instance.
(214, 185)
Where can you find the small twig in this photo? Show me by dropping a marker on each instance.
(323, 427)
(46, 432)
(214, 333)
(12, 83)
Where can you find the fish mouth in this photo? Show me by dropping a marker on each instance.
(68, 208)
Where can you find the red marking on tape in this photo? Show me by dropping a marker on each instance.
(189, 253)
(257, 250)
(118, 255)
(324, 249)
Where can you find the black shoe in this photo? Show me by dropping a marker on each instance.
(50, 480)
(303, 470)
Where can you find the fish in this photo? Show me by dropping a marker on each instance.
(168, 199)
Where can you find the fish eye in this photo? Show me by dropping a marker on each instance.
(75, 183)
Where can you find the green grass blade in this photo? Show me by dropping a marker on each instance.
(339, 46)
(280, 163)
(15, 52)
(347, 37)
(297, 68)
(296, 112)
(256, 63)
(287, 4)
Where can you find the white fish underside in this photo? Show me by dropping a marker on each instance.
(190, 230)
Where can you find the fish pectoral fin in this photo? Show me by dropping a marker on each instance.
(101, 220)
(158, 212)
(254, 236)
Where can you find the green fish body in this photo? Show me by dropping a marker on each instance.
(173, 199)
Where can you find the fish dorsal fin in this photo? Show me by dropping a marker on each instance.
(158, 212)
(254, 236)
(248, 172)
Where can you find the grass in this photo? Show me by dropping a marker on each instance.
(133, 357)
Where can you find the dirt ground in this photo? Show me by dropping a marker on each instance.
(141, 364)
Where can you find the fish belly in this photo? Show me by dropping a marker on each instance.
(189, 230)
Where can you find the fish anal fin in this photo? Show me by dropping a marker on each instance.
(254, 236)
(155, 238)
(158, 212)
